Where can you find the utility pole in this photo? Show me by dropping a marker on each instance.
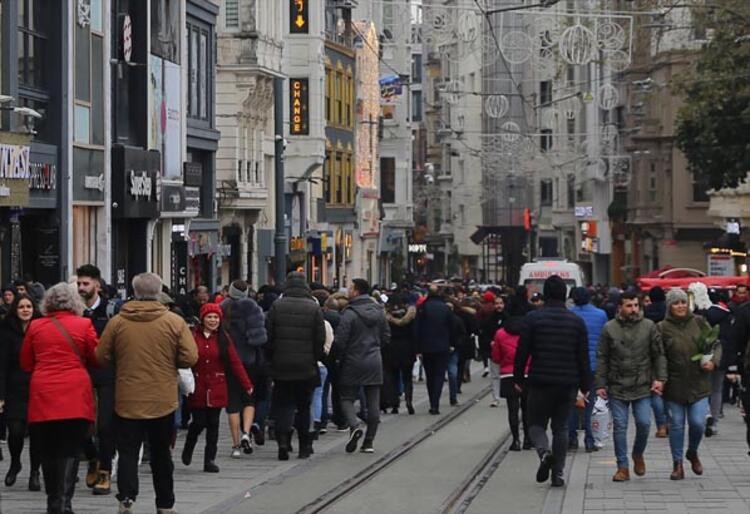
(279, 239)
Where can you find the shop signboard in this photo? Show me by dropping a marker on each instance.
(720, 265)
(136, 184)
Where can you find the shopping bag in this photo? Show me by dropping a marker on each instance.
(187, 381)
(601, 422)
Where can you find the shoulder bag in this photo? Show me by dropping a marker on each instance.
(69, 339)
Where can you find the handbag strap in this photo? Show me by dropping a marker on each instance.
(68, 338)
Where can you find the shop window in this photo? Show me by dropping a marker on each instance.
(85, 227)
(200, 64)
(700, 188)
(165, 29)
(33, 32)
(388, 179)
(546, 192)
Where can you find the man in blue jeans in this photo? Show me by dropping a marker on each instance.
(630, 366)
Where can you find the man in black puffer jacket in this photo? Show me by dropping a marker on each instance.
(296, 335)
(556, 341)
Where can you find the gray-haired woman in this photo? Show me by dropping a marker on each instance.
(56, 351)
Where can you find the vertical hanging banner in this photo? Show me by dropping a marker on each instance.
(299, 114)
(298, 19)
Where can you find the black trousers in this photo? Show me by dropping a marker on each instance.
(207, 419)
(17, 429)
(102, 446)
(60, 443)
(746, 404)
(550, 404)
(290, 396)
(435, 367)
(516, 401)
(131, 433)
(404, 375)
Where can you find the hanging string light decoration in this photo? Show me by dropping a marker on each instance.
(496, 106)
(578, 44)
(516, 46)
(608, 97)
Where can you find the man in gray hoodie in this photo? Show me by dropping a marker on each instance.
(362, 331)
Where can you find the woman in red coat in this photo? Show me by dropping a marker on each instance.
(216, 358)
(56, 351)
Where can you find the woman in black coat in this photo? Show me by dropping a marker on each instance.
(401, 353)
(14, 387)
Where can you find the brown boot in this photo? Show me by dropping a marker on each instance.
(92, 475)
(639, 465)
(678, 473)
(695, 462)
(622, 475)
(662, 431)
(103, 484)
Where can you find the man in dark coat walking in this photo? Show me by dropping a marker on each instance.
(434, 332)
(359, 336)
(296, 335)
(556, 341)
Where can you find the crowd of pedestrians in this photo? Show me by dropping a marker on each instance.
(299, 358)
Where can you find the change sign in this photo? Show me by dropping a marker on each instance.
(299, 114)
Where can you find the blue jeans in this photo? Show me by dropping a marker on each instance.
(453, 376)
(695, 413)
(642, 415)
(660, 413)
(316, 407)
(588, 438)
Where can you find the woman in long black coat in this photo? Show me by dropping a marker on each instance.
(402, 352)
(14, 387)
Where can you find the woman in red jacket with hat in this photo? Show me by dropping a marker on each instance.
(216, 357)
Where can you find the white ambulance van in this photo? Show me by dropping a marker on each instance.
(533, 274)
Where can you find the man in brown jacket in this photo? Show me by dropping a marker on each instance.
(146, 344)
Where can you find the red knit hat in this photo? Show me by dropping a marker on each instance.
(488, 296)
(211, 308)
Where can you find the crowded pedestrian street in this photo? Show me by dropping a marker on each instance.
(374, 256)
(425, 478)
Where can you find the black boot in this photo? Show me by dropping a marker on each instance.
(34, 483)
(305, 445)
(13, 470)
(209, 466)
(53, 471)
(187, 451)
(69, 467)
(282, 439)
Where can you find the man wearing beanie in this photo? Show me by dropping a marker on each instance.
(658, 308)
(296, 335)
(595, 319)
(556, 341)
(630, 367)
(246, 323)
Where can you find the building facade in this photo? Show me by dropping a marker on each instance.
(250, 44)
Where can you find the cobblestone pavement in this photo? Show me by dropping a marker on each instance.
(723, 487)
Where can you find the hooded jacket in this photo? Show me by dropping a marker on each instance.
(146, 344)
(630, 357)
(363, 330)
(403, 348)
(296, 332)
(246, 323)
(595, 319)
(687, 381)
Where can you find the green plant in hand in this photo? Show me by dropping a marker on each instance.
(706, 341)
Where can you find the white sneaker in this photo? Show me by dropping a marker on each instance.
(494, 403)
(236, 452)
(126, 506)
(246, 444)
(485, 372)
